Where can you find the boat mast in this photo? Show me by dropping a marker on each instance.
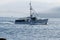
(30, 10)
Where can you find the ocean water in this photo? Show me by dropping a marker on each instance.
(12, 31)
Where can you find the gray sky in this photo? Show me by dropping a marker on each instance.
(20, 8)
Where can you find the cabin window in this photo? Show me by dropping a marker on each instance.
(20, 20)
(2, 39)
(33, 18)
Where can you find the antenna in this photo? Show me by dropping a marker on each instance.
(30, 9)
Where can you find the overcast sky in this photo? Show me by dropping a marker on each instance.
(19, 8)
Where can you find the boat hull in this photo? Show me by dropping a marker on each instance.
(32, 22)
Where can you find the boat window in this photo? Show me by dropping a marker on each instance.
(20, 20)
(33, 18)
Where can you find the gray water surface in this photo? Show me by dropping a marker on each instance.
(12, 31)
